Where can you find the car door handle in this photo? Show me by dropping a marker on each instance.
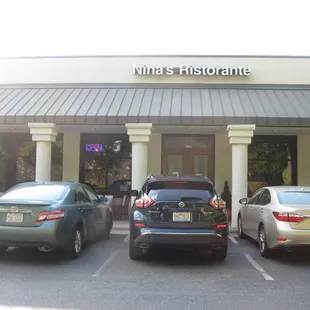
(261, 210)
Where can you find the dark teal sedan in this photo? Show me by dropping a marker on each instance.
(53, 215)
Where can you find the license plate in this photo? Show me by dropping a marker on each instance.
(181, 216)
(14, 218)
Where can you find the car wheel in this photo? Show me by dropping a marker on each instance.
(220, 254)
(75, 247)
(135, 253)
(107, 230)
(241, 234)
(262, 242)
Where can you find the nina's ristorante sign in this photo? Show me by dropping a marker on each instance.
(191, 70)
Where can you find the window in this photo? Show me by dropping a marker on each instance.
(180, 195)
(91, 195)
(272, 161)
(36, 192)
(291, 197)
(81, 195)
(181, 185)
(265, 198)
(254, 200)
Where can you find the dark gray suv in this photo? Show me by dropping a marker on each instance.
(177, 211)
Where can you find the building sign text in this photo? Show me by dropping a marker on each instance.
(191, 70)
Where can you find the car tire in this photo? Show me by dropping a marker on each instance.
(262, 243)
(241, 234)
(135, 253)
(107, 230)
(220, 254)
(76, 242)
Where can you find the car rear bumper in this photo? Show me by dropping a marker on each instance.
(181, 237)
(45, 235)
(290, 237)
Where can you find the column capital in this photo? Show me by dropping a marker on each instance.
(240, 134)
(43, 131)
(139, 132)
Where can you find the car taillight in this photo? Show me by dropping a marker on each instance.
(144, 202)
(221, 225)
(50, 215)
(217, 203)
(288, 217)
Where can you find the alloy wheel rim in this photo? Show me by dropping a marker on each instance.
(262, 240)
(78, 241)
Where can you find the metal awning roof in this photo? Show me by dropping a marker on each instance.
(157, 105)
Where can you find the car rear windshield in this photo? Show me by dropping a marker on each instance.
(180, 195)
(36, 192)
(294, 197)
(193, 185)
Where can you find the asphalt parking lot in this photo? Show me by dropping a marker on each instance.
(105, 278)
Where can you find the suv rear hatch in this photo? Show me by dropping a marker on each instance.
(182, 204)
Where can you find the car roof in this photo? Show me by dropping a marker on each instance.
(177, 177)
(282, 188)
(71, 184)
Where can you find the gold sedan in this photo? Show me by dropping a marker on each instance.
(277, 217)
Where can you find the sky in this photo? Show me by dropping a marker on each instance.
(154, 27)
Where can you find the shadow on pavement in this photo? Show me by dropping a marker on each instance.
(180, 257)
(299, 256)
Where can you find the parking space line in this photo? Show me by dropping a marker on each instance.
(233, 240)
(258, 267)
(105, 265)
(126, 239)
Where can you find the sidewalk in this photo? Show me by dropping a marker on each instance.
(122, 228)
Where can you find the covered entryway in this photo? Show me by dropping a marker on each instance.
(147, 111)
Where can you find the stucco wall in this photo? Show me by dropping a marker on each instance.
(154, 154)
(120, 70)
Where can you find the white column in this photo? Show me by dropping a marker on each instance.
(240, 136)
(44, 134)
(71, 157)
(139, 136)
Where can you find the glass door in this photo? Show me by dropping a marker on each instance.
(188, 155)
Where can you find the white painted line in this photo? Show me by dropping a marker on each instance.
(126, 239)
(258, 267)
(104, 265)
(233, 240)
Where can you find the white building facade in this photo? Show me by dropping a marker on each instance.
(244, 120)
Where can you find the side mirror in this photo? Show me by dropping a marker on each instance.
(134, 193)
(243, 201)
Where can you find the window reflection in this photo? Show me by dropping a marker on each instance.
(272, 161)
(101, 169)
(18, 159)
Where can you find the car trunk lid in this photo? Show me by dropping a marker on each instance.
(297, 206)
(22, 214)
(182, 205)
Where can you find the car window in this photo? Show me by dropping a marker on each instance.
(181, 185)
(180, 195)
(91, 194)
(265, 198)
(41, 192)
(294, 197)
(80, 195)
(254, 199)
